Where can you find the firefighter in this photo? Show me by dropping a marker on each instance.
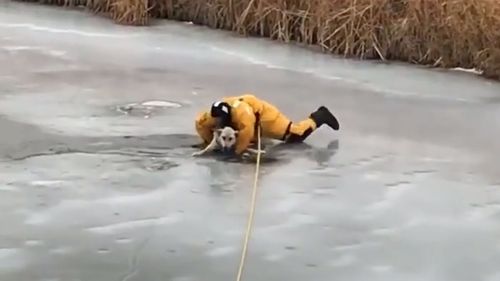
(245, 112)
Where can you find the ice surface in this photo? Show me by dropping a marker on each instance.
(408, 189)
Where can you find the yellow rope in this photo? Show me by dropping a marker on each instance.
(252, 209)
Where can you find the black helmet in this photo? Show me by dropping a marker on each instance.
(222, 111)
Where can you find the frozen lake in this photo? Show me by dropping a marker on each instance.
(97, 182)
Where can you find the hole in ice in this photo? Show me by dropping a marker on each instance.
(147, 108)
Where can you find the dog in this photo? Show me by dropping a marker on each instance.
(225, 139)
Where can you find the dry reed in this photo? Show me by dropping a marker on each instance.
(131, 12)
(128, 12)
(440, 33)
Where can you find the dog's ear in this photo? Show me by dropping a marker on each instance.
(218, 131)
(236, 132)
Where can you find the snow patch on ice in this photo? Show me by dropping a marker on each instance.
(160, 103)
(117, 227)
(63, 31)
(57, 53)
(61, 250)
(8, 252)
(46, 182)
(8, 188)
(247, 58)
(274, 257)
(468, 70)
(221, 251)
(33, 243)
(20, 48)
(43, 50)
(343, 260)
(371, 176)
(11, 259)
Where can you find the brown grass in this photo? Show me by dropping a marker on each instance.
(440, 33)
(132, 12)
(128, 12)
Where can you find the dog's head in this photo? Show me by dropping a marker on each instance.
(226, 137)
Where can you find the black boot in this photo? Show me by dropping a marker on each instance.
(323, 116)
(293, 138)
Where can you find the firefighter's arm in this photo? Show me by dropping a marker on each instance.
(204, 126)
(246, 131)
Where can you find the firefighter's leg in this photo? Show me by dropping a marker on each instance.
(275, 128)
(298, 132)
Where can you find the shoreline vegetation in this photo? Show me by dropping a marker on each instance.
(439, 33)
